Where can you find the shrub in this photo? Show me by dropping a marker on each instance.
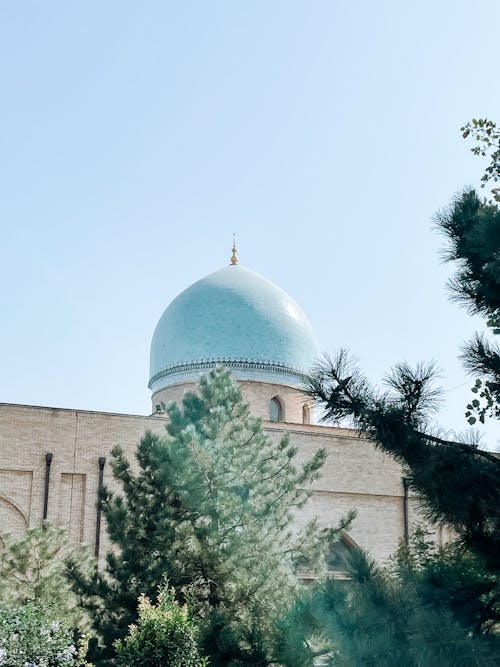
(164, 635)
(29, 638)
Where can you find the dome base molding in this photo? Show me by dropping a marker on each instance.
(241, 370)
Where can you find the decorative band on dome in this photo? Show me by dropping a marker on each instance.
(245, 364)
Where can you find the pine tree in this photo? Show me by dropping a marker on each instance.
(458, 483)
(210, 508)
(32, 569)
(382, 617)
(472, 228)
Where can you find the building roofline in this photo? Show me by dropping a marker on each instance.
(80, 410)
(313, 429)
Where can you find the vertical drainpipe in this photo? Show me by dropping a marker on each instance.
(48, 461)
(102, 461)
(406, 486)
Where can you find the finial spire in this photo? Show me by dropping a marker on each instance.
(234, 256)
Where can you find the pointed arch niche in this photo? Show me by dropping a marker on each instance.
(14, 520)
(276, 409)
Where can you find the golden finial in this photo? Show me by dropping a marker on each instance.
(234, 257)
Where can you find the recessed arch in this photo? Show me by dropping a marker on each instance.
(276, 409)
(340, 555)
(14, 521)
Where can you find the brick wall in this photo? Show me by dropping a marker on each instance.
(356, 475)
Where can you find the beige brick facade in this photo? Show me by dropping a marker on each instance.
(356, 475)
(256, 394)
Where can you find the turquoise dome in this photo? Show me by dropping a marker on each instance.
(236, 318)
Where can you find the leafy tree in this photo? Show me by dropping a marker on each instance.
(210, 507)
(32, 569)
(164, 636)
(487, 135)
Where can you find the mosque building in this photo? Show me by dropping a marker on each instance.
(53, 461)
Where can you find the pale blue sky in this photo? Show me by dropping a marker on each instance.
(135, 137)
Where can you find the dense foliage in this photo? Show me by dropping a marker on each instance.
(164, 636)
(30, 636)
(415, 613)
(210, 508)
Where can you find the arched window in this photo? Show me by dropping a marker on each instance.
(306, 414)
(275, 410)
(340, 556)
